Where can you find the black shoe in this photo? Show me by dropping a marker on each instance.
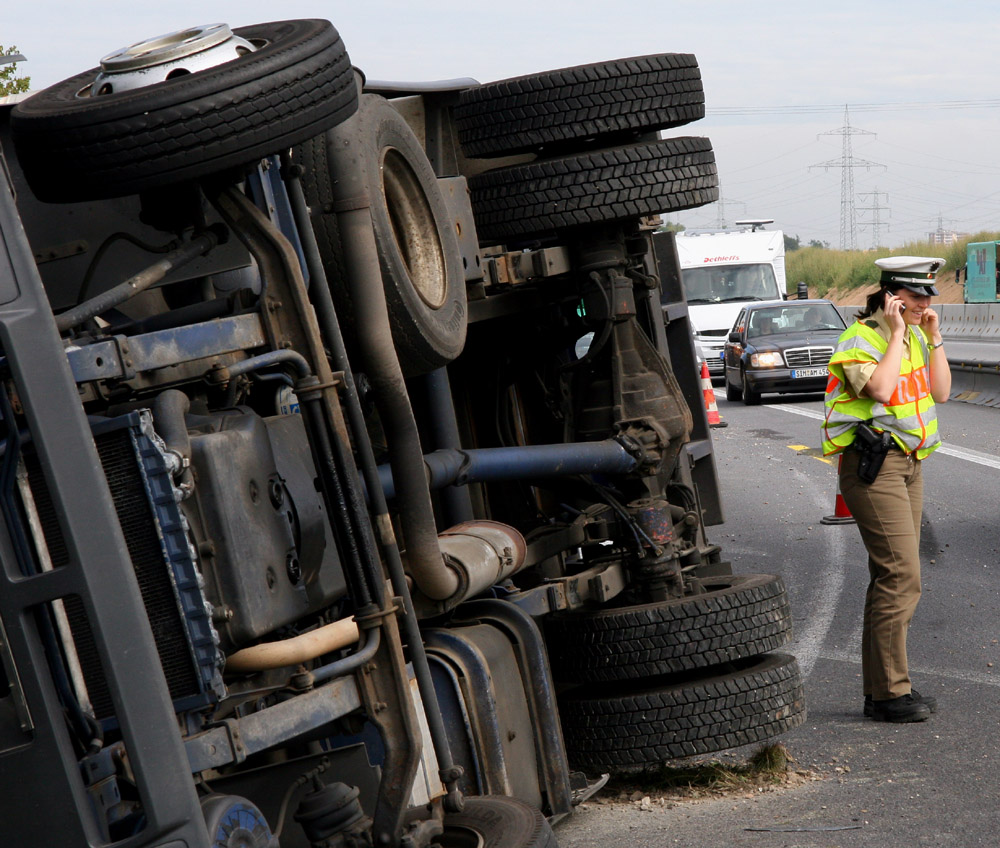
(905, 708)
(928, 701)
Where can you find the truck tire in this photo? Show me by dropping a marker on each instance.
(608, 100)
(738, 616)
(298, 83)
(496, 822)
(417, 243)
(596, 187)
(611, 730)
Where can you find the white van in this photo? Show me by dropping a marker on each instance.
(722, 270)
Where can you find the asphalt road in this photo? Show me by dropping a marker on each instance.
(934, 783)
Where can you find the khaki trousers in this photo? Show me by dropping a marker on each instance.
(888, 515)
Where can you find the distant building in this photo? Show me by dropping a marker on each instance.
(943, 236)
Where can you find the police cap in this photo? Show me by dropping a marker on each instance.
(916, 273)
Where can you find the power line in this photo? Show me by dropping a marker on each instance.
(857, 107)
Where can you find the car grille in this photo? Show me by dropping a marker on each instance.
(803, 357)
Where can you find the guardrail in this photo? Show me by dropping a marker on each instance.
(970, 320)
(975, 373)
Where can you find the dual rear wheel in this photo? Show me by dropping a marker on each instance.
(672, 679)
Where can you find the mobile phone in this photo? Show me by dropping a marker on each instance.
(902, 308)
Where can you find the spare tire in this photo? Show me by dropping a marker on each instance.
(296, 84)
(608, 100)
(419, 254)
(596, 187)
(737, 616)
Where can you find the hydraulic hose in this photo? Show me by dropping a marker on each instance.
(169, 410)
(298, 649)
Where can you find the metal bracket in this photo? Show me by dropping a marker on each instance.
(600, 583)
(518, 267)
(123, 357)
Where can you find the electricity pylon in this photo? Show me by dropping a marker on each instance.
(847, 163)
(875, 208)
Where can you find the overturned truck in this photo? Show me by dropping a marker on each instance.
(355, 466)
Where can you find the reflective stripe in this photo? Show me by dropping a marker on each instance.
(910, 415)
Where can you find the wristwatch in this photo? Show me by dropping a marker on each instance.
(933, 346)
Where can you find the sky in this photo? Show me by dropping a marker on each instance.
(918, 82)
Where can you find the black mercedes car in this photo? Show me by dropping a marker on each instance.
(780, 346)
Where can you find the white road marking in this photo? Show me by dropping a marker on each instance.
(812, 637)
(797, 410)
(969, 455)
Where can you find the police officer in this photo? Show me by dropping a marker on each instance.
(888, 370)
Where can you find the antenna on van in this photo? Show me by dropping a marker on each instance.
(755, 223)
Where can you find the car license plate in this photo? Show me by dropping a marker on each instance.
(809, 372)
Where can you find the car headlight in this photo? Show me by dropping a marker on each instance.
(767, 359)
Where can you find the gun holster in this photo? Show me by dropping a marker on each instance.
(872, 446)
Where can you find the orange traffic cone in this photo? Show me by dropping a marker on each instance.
(711, 407)
(841, 514)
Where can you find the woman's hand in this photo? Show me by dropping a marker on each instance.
(931, 324)
(893, 310)
(882, 382)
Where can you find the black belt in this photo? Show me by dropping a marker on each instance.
(893, 447)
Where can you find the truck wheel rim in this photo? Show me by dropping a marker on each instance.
(413, 229)
(164, 57)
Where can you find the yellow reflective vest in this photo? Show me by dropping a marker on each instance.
(910, 415)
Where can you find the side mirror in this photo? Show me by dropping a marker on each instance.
(734, 338)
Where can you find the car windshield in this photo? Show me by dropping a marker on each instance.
(794, 318)
(727, 283)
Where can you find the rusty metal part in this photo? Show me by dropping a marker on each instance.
(486, 552)
(181, 352)
(383, 684)
(629, 386)
(598, 584)
(511, 268)
(655, 517)
(553, 767)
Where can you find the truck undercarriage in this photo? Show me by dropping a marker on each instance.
(355, 471)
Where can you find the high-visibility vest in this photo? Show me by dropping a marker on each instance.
(910, 415)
